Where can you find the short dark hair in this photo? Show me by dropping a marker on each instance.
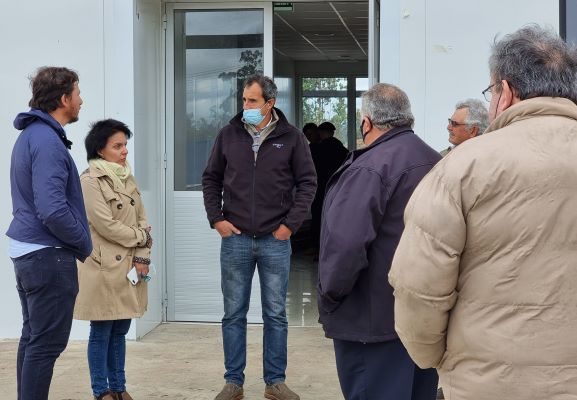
(99, 133)
(269, 90)
(309, 125)
(327, 126)
(49, 85)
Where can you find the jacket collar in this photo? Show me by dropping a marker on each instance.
(538, 106)
(23, 120)
(389, 135)
(129, 188)
(353, 155)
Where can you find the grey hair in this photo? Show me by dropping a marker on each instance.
(535, 62)
(477, 114)
(387, 106)
(269, 90)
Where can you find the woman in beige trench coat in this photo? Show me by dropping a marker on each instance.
(121, 241)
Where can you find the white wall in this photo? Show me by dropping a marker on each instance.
(442, 48)
(149, 143)
(93, 37)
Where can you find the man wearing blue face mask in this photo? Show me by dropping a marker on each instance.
(362, 223)
(258, 187)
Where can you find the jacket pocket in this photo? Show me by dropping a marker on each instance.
(113, 256)
(96, 255)
(226, 200)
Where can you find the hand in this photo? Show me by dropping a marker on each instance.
(142, 269)
(226, 229)
(282, 233)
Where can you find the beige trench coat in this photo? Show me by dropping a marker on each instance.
(485, 274)
(117, 225)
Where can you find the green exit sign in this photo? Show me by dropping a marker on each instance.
(283, 6)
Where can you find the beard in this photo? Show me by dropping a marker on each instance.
(73, 117)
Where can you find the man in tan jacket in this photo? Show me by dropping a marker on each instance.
(486, 269)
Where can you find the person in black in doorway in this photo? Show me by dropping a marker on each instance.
(311, 133)
(328, 156)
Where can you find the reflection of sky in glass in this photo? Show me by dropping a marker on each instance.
(229, 22)
(204, 88)
(211, 81)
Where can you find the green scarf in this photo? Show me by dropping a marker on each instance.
(116, 172)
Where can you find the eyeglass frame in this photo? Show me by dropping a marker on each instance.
(489, 91)
(455, 124)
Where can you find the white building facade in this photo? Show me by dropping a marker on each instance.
(171, 71)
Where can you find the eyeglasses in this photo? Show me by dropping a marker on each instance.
(455, 124)
(488, 93)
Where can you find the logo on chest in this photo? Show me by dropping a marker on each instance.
(278, 145)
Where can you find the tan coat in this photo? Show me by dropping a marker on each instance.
(117, 225)
(485, 275)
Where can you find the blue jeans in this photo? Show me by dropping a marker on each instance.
(47, 283)
(107, 354)
(239, 255)
(375, 371)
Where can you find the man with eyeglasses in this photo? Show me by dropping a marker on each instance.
(258, 187)
(486, 270)
(362, 223)
(469, 120)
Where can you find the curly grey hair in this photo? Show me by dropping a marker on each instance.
(477, 114)
(535, 62)
(387, 106)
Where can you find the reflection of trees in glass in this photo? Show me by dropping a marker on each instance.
(250, 63)
(332, 109)
(202, 131)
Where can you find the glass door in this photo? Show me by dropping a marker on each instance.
(211, 49)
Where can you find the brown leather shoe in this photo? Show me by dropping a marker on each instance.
(106, 396)
(230, 391)
(280, 391)
(123, 396)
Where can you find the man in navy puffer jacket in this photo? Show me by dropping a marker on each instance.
(49, 229)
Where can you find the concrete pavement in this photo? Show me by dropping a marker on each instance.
(185, 362)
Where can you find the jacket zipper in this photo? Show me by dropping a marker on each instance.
(253, 196)
(253, 208)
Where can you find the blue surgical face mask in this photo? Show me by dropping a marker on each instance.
(253, 116)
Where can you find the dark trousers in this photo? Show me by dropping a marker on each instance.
(382, 371)
(47, 283)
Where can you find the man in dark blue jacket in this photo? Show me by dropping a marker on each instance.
(49, 229)
(258, 186)
(362, 224)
